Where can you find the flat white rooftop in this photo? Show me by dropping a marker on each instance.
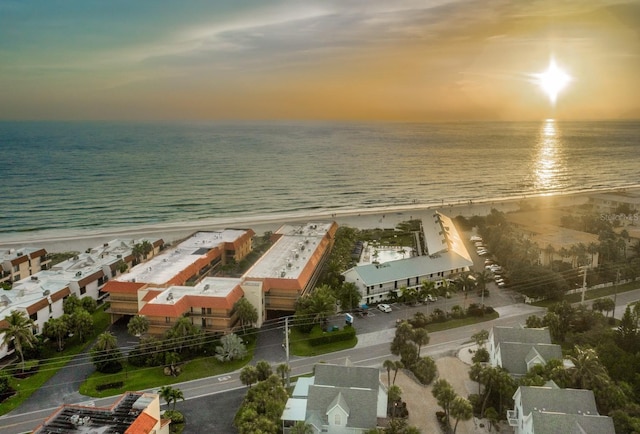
(289, 255)
(163, 267)
(11, 254)
(27, 292)
(208, 287)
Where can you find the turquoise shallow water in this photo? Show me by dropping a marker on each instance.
(102, 175)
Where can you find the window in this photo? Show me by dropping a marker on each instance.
(83, 290)
(167, 319)
(337, 420)
(50, 308)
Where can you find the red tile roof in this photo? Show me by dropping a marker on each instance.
(142, 425)
(186, 302)
(122, 287)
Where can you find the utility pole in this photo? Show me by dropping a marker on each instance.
(286, 347)
(615, 293)
(584, 282)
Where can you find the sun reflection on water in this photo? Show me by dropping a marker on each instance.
(549, 163)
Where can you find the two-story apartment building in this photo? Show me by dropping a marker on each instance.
(445, 257)
(17, 264)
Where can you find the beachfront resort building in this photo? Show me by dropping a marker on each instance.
(158, 289)
(17, 264)
(338, 399)
(133, 413)
(549, 409)
(610, 203)
(444, 257)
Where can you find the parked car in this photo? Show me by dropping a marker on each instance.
(431, 298)
(384, 308)
(475, 238)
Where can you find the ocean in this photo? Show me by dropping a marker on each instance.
(87, 176)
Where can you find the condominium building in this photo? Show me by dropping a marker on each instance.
(168, 285)
(17, 264)
(289, 269)
(41, 295)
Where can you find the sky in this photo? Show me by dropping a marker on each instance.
(380, 60)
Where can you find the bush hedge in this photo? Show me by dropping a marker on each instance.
(319, 337)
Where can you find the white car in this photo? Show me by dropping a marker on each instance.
(475, 238)
(431, 298)
(384, 308)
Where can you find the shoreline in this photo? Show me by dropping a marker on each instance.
(379, 217)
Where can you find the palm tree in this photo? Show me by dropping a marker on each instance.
(396, 367)
(461, 409)
(465, 281)
(57, 328)
(105, 353)
(388, 365)
(19, 329)
(248, 375)
(138, 325)
(247, 313)
(283, 370)
(587, 371)
(482, 277)
(171, 395)
(420, 337)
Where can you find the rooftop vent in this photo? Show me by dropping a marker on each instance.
(46, 293)
(34, 278)
(170, 296)
(79, 273)
(206, 287)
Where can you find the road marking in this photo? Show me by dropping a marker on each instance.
(225, 378)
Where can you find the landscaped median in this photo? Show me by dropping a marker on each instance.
(321, 342)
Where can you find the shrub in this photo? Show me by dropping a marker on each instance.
(425, 370)
(106, 386)
(481, 356)
(174, 415)
(318, 337)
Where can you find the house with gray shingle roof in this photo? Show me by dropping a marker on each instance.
(549, 409)
(518, 349)
(338, 399)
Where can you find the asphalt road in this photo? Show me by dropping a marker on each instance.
(210, 403)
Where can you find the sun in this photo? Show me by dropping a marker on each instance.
(553, 80)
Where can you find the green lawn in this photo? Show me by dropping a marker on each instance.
(134, 378)
(51, 362)
(592, 294)
(299, 345)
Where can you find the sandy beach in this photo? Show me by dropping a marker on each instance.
(384, 217)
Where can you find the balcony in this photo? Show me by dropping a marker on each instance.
(512, 417)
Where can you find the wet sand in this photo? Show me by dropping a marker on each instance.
(384, 217)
